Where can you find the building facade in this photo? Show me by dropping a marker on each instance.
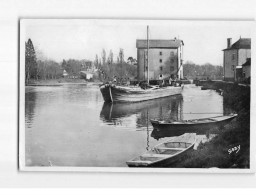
(247, 69)
(235, 55)
(165, 59)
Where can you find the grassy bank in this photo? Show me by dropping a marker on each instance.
(216, 152)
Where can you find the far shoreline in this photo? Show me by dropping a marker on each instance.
(60, 82)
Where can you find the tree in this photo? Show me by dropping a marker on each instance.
(66, 65)
(103, 55)
(121, 55)
(191, 70)
(110, 57)
(96, 61)
(31, 69)
(131, 60)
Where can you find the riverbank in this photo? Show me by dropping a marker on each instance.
(59, 82)
(219, 151)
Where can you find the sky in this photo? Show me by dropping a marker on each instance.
(60, 39)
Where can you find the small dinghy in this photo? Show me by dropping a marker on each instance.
(166, 153)
(195, 124)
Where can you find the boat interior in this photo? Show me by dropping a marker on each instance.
(162, 151)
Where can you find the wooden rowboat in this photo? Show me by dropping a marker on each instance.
(166, 153)
(114, 93)
(195, 124)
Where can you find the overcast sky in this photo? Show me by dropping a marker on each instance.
(83, 39)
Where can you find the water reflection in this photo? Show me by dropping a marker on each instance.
(30, 104)
(164, 108)
(193, 103)
(66, 124)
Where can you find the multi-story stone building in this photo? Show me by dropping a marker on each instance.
(235, 55)
(165, 59)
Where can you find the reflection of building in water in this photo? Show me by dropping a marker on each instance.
(165, 108)
(170, 109)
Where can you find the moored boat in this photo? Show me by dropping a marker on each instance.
(166, 153)
(194, 124)
(114, 93)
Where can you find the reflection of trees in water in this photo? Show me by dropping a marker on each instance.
(30, 103)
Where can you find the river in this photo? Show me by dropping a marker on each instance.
(70, 125)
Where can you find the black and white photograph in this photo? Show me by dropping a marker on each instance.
(135, 95)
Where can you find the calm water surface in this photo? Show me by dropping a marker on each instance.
(71, 125)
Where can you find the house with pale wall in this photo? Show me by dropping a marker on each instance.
(247, 68)
(235, 55)
(165, 59)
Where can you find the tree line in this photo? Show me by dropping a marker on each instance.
(41, 68)
(107, 66)
(193, 71)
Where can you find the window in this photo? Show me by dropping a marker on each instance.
(172, 53)
(172, 60)
(160, 53)
(161, 68)
(160, 60)
(233, 56)
(172, 68)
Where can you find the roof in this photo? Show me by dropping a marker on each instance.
(242, 43)
(153, 43)
(248, 62)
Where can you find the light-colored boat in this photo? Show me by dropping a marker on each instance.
(114, 93)
(166, 153)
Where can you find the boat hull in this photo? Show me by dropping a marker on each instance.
(112, 93)
(165, 154)
(164, 163)
(191, 127)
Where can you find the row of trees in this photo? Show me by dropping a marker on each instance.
(39, 68)
(42, 68)
(104, 59)
(192, 70)
(108, 67)
(123, 71)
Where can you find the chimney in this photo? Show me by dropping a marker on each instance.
(229, 42)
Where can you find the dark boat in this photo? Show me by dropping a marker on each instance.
(158, 134)
(166, 153)
(114, 93)
(194, 124)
